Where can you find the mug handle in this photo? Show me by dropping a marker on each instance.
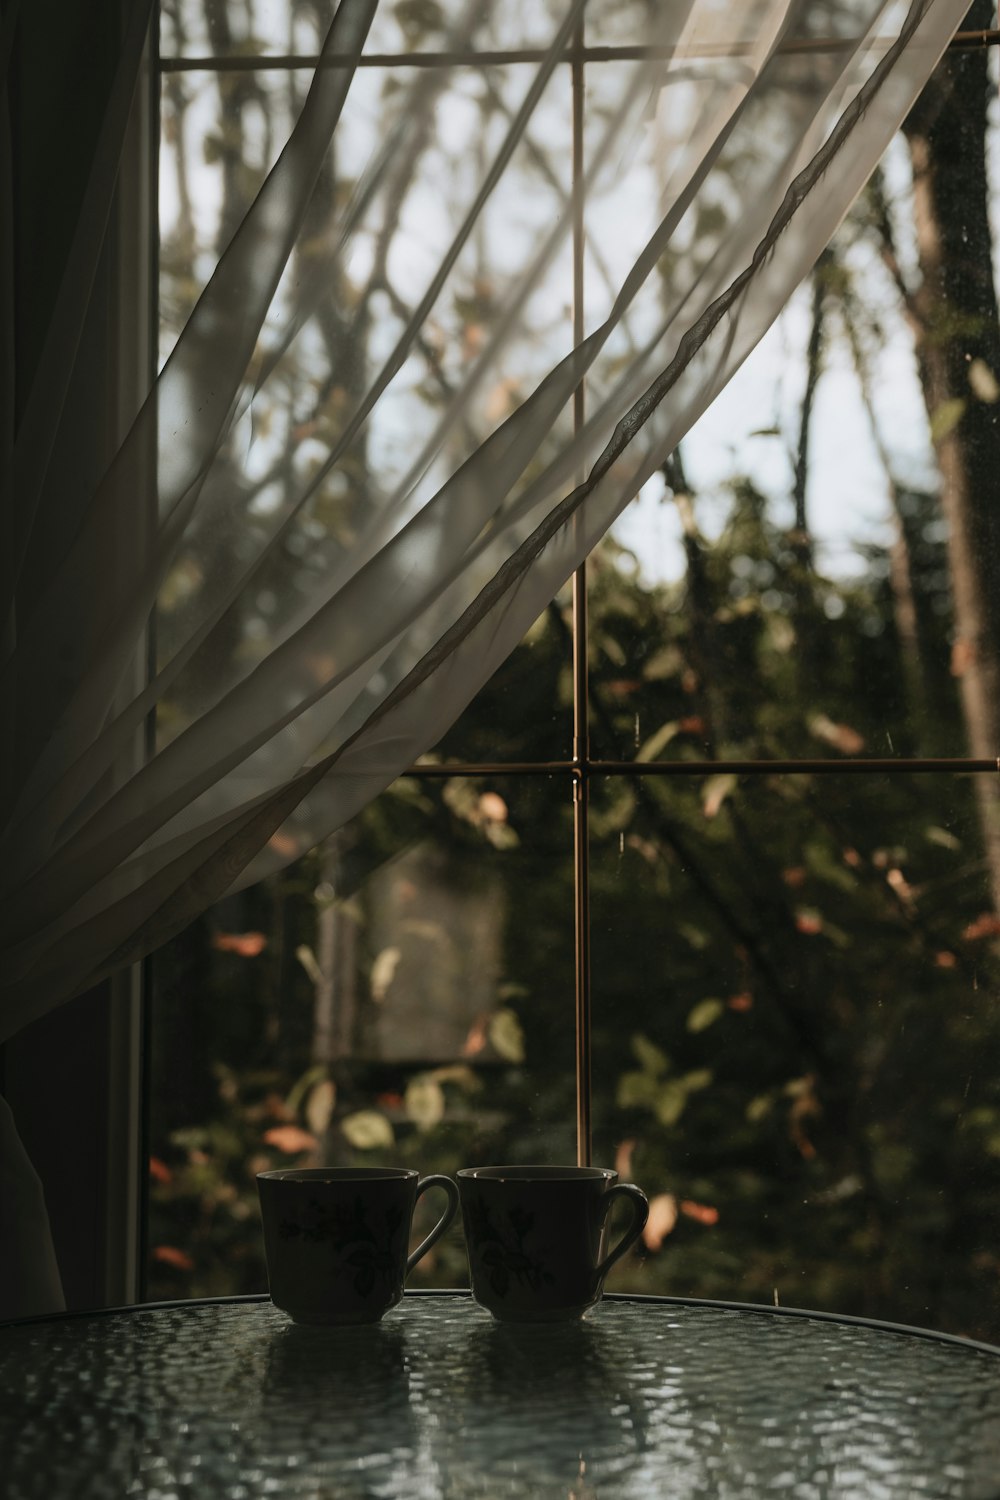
(640, 1213)
(442, 1224)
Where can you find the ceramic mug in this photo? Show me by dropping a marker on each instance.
(537, 1237)
(335, 1238)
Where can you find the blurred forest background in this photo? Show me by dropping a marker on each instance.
(796, 972)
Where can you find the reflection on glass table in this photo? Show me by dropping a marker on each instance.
(647, 1397)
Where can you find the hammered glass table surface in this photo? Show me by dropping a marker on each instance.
(645, 1398)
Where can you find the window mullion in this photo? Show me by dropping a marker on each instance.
(581, 716)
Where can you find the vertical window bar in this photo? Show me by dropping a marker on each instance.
(581, 715)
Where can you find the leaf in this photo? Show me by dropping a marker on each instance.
(782, 633)
(946, 418)
(623, 1159)
(983, 382)
(704, 1014)
(942, 837)
(368, 1130)
(666, 662)
(291, 1139)
(244, 944)
(492, 807)
(637, 1091)
(460, 1074)
(319, 1106)
(648, 1054)
(671, 1103)
(702, 1213)
(651, 748)
(506, 1035)
(698, 1078)
(171, 1256)
(307, 959)
(693, 936)
(661, 1220)
(985, 926)
(425, 1102)
(759, 1108)
(841, 736)
(301, 1088)
(502, 836)
(383, 972)
(715, 791)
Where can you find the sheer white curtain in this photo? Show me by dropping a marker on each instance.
(747, 131)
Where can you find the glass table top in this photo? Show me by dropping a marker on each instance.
(645, 1398)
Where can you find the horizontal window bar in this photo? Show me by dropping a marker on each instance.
(962, 41)
(952, 766)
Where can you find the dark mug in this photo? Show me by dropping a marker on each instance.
(538, 1237)
(335, 1238)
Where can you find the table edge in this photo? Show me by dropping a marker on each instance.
(761, 1309)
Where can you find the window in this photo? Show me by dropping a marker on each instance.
(706, 881)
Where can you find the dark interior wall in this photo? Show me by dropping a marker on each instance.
(64, 58)
(55, 1079)
(56, 1073)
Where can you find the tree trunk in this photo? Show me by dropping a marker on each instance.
(958, 349)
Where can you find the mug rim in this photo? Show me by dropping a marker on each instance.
(319, 1175)
(538, 1173)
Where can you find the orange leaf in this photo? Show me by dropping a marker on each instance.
(794, 876)
(171, 1256)
(841, 736)
(476, 1039)
(623, 1159)
(159, 1170)
(702, 1213)
(246, 944)
(492, 807)
(661, 1221)
(945, 960)
(985, 926)
(808, 922)
(290, 1139)
(740, 1002)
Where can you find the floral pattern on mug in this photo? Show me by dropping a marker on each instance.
(505, 1255)
(347, 1232)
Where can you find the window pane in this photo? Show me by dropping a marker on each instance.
(271, 479)
(735, 653)
(402, 996)
(797, 1039)
(525, 711)
(241, 28)
(815, 572)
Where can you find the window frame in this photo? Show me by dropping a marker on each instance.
(578, 772)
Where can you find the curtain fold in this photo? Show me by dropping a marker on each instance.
(747, 138)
